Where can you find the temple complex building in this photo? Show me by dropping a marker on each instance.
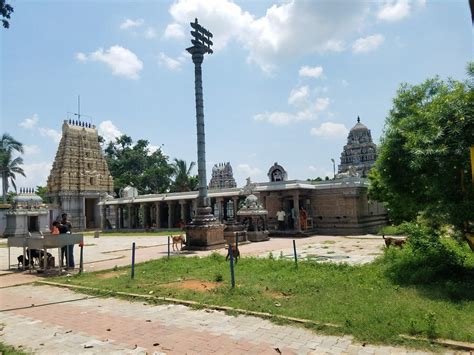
(222, 177)
(360, 153)
(332, 207)
(80, 177)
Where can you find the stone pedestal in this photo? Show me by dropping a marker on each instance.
(235, 231)
(258, 236)
(204, 232)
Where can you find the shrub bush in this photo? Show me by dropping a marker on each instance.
(428, 257)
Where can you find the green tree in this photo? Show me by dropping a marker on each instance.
(9, 166)
(183, 180)
(135, 165)
(5, 10)
(41, 192)
(423, 166)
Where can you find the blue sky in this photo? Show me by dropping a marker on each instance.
(286, 82)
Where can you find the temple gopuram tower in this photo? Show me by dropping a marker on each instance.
(360, 152)
(222, 177)
(80, 175)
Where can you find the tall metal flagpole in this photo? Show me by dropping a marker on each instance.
(204, 231)
(201, 45)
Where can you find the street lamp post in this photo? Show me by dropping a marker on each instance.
(333, 168)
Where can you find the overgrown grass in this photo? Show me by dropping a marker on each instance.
(374, 302)
(134, 234)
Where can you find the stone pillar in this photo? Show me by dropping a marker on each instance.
(142, 209)
(182, 204)
(170, 214)
(235, 201)
(157, 215)
(117, 216)
(104, 217)
(220, 204)
(296, 204)
(130, 211)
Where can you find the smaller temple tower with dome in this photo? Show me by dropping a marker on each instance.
(359, 153)
(222, 177)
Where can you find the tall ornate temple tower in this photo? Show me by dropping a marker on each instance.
(222, 176)
(360, 152)
(80, 175)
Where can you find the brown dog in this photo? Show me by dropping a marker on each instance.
(235, 253)
(178, 239)
(393, 241)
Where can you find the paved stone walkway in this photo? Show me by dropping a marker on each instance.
(65, 322)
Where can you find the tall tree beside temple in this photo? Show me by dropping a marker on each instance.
(183, 180)
(5, 10)
(135, 165)
(423, 165)
(10, 166)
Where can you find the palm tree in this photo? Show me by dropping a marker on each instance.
(9, 166)
(183, 180)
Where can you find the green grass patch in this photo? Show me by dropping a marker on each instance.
(391, 230)
(135, 234)
(10, 350)
(374, 302)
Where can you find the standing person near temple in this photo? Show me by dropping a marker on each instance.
(68, 250)
(281, 219)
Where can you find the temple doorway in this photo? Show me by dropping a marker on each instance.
(91, 212)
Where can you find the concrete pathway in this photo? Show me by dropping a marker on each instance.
(50, 320)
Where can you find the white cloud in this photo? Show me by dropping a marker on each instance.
(150, 33)
(311, 72)
(36, 174)
(170, 63)
(298, 95)
(394, 10)
(32, 123)
(330, 130)
(131, 23)
(174, 31)
(287, 29)
(307, 108)
(31, 149)
(344, 83)
(248, 170)
(367, 44)
(122, 61)
(81, 57)
(29, 123)
(108, 131)
(321, 104)
(50, 133)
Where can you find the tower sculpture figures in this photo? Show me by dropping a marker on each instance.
(204, 232)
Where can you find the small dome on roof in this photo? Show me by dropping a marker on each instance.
(359, 126)
(27, 198)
